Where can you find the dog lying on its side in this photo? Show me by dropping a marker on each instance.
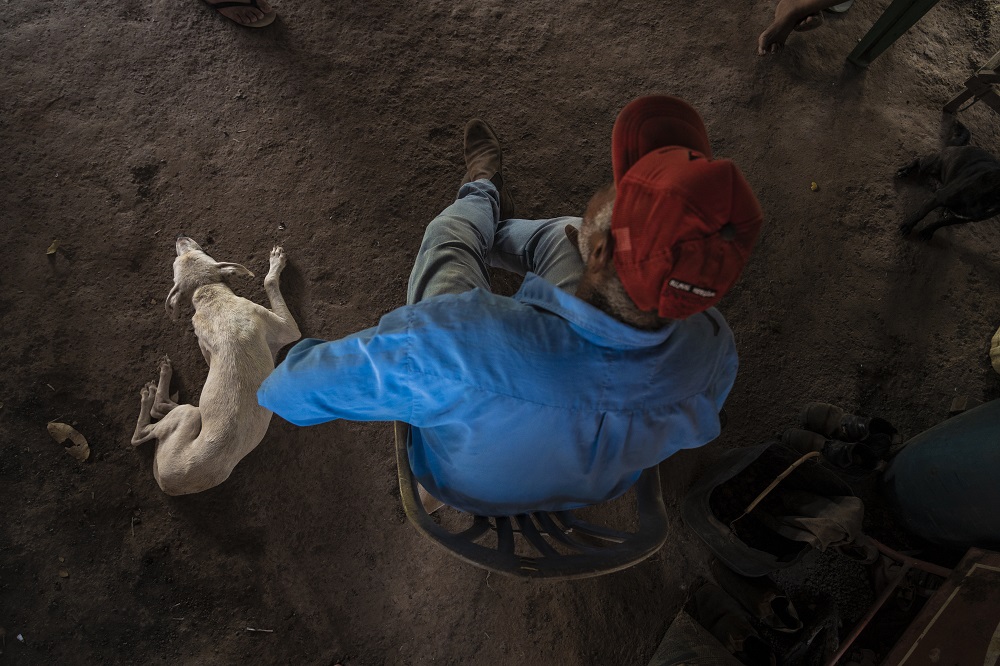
(969, 188)
(198, 447)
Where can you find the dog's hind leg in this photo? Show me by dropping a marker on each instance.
(906, 227)
(143, 428)
(163, 403)
(946, 220)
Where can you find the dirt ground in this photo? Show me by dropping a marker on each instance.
(336, 132)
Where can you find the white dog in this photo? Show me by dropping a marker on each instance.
(198, 447)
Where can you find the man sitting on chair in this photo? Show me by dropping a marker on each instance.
(608, 359)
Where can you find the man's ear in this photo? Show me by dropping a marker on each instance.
(602, 249)
(573, 234)
(229, 269)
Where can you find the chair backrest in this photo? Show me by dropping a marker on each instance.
(979, 87)
(562, 545)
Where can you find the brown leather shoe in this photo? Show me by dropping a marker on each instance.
(484, 159)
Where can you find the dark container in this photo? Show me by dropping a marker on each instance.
(945, 482)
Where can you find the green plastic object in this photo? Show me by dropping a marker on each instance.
(946, 480)
(898, 17)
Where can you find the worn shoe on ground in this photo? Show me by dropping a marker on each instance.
(845, 455)
(835, 423)
(484, 161)
(803, 441)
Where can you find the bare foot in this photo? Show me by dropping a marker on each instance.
(249, 13)
(789, 15)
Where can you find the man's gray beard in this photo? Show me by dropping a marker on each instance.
(610, 296)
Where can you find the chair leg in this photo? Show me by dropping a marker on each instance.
(898, 17)
(992, 100)
(958, 100)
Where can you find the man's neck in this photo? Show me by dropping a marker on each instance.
(612, 304)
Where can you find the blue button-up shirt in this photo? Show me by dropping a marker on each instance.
(535, 402)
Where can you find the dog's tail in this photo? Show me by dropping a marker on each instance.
(960, 135)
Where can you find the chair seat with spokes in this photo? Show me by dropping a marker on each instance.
(554, 545)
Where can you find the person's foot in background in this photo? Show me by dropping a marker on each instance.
(792, 15)
(248, 13)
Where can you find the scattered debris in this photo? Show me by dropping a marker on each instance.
(281, 226)
(61, 432)
(63, 573)
(962, 403)
(62, 559)
(20, 638)
(53, 248)
(51, 387)
(263, 631)
(814, 186)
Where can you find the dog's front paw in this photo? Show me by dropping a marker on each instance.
(277, 259)
(926, 234)
(904, 171)
(146, 395)
(905, 228)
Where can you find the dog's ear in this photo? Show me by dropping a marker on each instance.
(171, 304)
(229, 269)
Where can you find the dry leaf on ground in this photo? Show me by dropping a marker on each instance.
(61, 432)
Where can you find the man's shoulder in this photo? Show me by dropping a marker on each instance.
(476, 306)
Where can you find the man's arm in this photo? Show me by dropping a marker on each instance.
(363, 377)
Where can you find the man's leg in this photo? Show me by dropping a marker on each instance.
(452, 256)
(539, 246)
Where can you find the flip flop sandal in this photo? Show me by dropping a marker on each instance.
(810, 22)
(266, 20)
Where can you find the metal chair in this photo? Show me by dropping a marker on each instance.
(561, 545)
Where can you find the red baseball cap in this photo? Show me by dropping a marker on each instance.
(684, 224)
